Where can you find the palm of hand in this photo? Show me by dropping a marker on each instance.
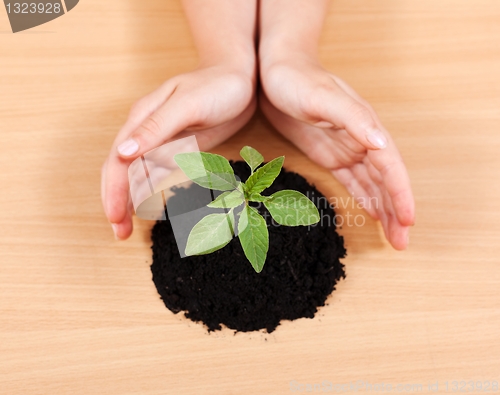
(294, 100)
(211, 103)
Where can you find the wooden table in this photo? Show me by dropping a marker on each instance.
(79, 313)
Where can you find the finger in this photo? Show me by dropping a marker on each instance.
(349, 90)
(114, 196)
(361, 174)
(121, 225)
(116, 187)
(103, 193)
(160, 161)
(189, 106)
(395, 180)
(146, 106)
(332, 104)
(377, 203)
(117, 184)
(124, 228)
(213, 136)
(356, 189)
(115, 190)
(341, 136)
(309, 139)
(383, 207)
(396, 232)
(157, 128)
(395, 177)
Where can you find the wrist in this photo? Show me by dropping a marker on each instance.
(274, 51)
(238, 58)
(290, 30)
(224, 32)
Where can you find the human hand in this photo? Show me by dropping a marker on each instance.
(211, 103)
(339, 130)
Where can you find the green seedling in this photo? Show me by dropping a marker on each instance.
(213, 232)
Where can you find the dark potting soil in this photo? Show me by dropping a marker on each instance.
(301, 269)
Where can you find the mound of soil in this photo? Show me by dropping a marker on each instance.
(301, 269)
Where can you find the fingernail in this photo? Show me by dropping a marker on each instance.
(377, 138)
(115, 230)
(128, 147)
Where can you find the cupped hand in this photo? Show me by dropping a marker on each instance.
(336, 128)
(211, 103)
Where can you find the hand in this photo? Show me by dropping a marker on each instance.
(339, 130)
(211, 103)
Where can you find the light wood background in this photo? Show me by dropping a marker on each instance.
(79, 313)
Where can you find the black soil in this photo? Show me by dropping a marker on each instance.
(301, 269)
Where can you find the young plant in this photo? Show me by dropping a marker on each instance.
(213, 232)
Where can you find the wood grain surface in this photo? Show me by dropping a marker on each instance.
(79, 313)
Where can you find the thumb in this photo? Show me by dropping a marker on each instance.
(337, 107)
(157, 128)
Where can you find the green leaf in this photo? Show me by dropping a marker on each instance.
(257, 197)
(251, 156)
(210, 234)
(264, 176)
(228, 199)
(207, 170)
(254, 237)
(292, 208)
